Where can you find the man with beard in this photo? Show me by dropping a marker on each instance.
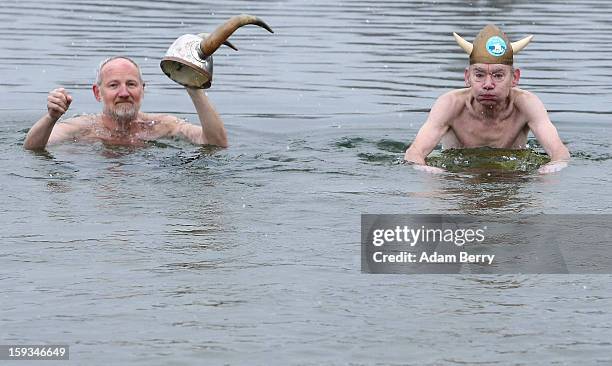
(120, 88)
(491, 111)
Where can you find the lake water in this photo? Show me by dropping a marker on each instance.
(180, 255)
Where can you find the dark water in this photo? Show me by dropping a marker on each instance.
(174, 254)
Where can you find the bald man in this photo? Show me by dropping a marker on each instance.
(120, 88)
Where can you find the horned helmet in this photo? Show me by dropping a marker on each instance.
(492, 46)
(189, 60)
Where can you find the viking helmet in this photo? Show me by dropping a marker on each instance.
(492, 46)
(189, 60)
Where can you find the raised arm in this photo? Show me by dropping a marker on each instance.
(212, 131)
(431, 132)
(545, 132)
(58, 102)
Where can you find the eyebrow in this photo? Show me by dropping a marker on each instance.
(492, 71)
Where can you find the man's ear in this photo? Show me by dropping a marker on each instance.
(96, 91)
(515, 77)
(466, 76)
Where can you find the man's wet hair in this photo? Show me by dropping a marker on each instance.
(104, 62)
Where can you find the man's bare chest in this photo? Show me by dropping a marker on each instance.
(507, 132)
(137, 136)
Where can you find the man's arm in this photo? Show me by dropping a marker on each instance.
(58, 102)
(431, 132)
(545, 132)
(212, 131)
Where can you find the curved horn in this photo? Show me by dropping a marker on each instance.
(227, 43)
(519, 45)
(209, 45)
(467, 46)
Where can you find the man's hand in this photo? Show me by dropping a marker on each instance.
(428, 169)
(552, 167)
(58, 102)
(424, 167)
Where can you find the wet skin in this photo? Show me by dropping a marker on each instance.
(121, 91)
(491, 112)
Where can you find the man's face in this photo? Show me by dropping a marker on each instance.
(491, 83)
(121, 90)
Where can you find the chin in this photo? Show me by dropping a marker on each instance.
(488, 102)
(123, 112)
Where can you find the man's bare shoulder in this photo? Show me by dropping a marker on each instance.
(167, 125)
(452, 102)
(72, 128)
(162, 119)
(457, 93)
(456, 97)
(78, 123)
(525, 100)
(523, 96)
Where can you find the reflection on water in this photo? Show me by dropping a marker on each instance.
(175, 254)
(492, 191)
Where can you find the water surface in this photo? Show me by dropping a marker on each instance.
(175, 254)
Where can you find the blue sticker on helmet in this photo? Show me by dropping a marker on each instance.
(496, 46)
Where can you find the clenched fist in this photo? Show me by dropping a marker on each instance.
(58, 102)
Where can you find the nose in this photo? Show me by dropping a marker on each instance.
(488, 82)
(123, 91)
